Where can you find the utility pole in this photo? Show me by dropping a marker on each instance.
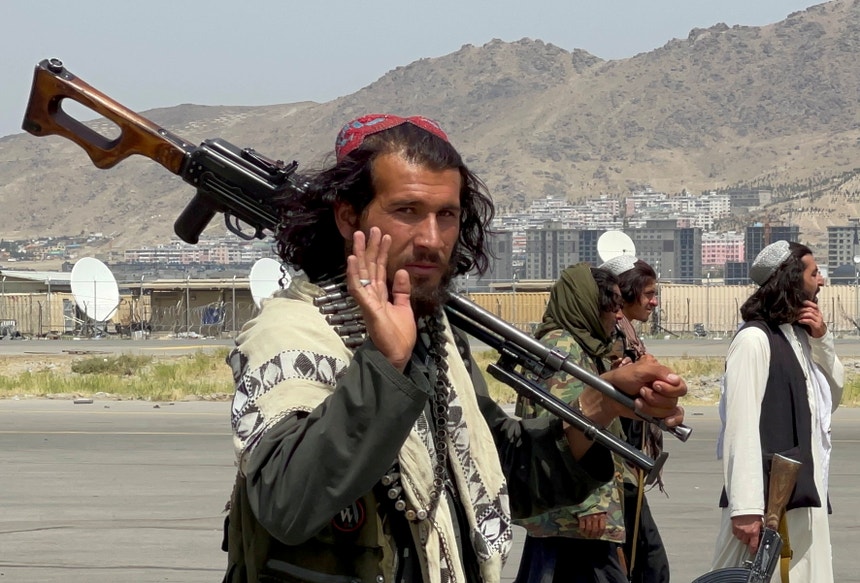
(708, 303)
(855, 251)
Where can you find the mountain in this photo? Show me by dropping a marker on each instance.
(768, 107)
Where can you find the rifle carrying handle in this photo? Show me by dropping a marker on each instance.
(53, 83)
(783, 476)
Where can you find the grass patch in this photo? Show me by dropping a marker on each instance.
(688, 367)
(499, 391)
(851, 395)
(204, 374)
(201, 374)
(123, 365)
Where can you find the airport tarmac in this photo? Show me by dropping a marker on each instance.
(847, 347)
(135, 491)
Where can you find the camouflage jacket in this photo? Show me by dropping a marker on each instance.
(607, 498)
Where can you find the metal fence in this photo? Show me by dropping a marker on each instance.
(714, 308)
(223, 312)
(56, 314)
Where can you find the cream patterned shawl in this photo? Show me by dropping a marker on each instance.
(288, 360)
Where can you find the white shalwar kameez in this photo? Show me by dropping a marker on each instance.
(747, 365)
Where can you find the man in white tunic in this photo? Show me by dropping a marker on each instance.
(782, 382)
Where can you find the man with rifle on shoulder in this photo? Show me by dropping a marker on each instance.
(390, 461)
(367, 445)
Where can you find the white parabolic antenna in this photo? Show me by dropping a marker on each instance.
(94, 288)
(265, 279)
(611, 244)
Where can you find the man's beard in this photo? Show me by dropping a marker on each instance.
(427, 298)
(814, 297)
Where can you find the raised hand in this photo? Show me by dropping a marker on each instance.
(811, 317)
(390, 321)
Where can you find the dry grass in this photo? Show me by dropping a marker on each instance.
(851, 396)
(691, 368)
(701, 374)
(500, 392)
(204, 374)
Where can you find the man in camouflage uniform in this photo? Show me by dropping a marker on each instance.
(646, 556)
(579, 543)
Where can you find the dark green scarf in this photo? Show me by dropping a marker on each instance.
(574, 308)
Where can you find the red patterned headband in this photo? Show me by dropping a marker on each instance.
(352, 134)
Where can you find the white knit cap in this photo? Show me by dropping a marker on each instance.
(768, 261)
(619, 264)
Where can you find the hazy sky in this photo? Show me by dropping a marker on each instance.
(159, 53)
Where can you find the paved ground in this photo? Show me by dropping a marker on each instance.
(111, 345)
(693, 347)
(134, 491)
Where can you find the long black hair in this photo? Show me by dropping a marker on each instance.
(308, 237)
(780, 298)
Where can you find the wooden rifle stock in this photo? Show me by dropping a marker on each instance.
(53, 84)
(783, 476)
(240, 183)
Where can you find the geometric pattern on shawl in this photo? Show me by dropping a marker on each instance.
(246, 418)
(474, 462)
(494, 533)
(491, 533)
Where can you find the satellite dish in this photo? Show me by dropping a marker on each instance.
(265, 279)
(611, 244)
(94, 288)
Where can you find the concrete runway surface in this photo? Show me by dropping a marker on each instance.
(134, 491)
(848, 348)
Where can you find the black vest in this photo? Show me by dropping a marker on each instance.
(785, 423)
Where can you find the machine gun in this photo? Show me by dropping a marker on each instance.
(783, 476)
(241, 184)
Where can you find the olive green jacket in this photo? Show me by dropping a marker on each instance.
(305, 509)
